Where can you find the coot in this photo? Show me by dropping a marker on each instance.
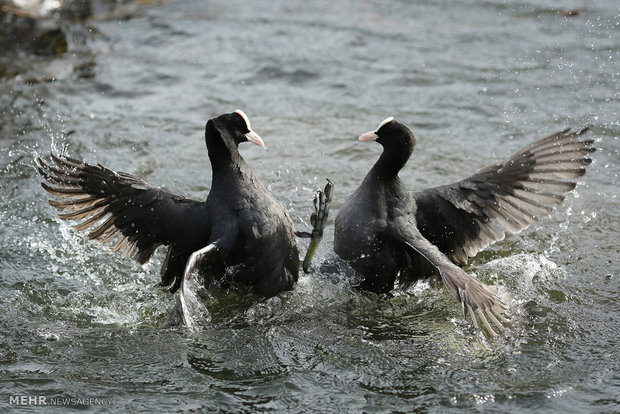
(387, 232)
(241, 231)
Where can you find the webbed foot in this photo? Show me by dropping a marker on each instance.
(318, 219)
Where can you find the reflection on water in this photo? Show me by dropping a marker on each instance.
(132, 85)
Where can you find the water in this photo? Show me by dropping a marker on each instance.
(474, 80)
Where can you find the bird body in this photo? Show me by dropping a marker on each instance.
(255, 232)
(373, 253)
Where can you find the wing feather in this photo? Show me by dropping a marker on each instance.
(463, 218)
(122, 211)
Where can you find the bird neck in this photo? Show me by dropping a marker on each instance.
(230, 171)
(391, 161)
(223, 154)
(222, 161)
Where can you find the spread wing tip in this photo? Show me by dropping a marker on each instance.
(477, 300)
(101, 199)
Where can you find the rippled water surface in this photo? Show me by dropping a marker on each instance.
(475, 80)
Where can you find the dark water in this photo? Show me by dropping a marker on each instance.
(474, 80)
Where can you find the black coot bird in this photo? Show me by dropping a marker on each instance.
(387, 232)
(241, 230)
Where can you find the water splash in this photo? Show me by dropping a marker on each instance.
(193, 312)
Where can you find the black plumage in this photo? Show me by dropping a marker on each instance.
(388, 233)
(243, 231)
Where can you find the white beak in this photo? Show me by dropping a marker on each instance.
(368, 136)
(254, 138)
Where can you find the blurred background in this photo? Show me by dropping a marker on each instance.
(131, 84)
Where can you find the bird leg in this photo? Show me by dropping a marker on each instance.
(318, 219)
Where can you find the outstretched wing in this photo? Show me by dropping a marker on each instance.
(463, 218)
(122, 211)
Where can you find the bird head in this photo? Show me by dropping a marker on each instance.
(235, 126)
(391, 134)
